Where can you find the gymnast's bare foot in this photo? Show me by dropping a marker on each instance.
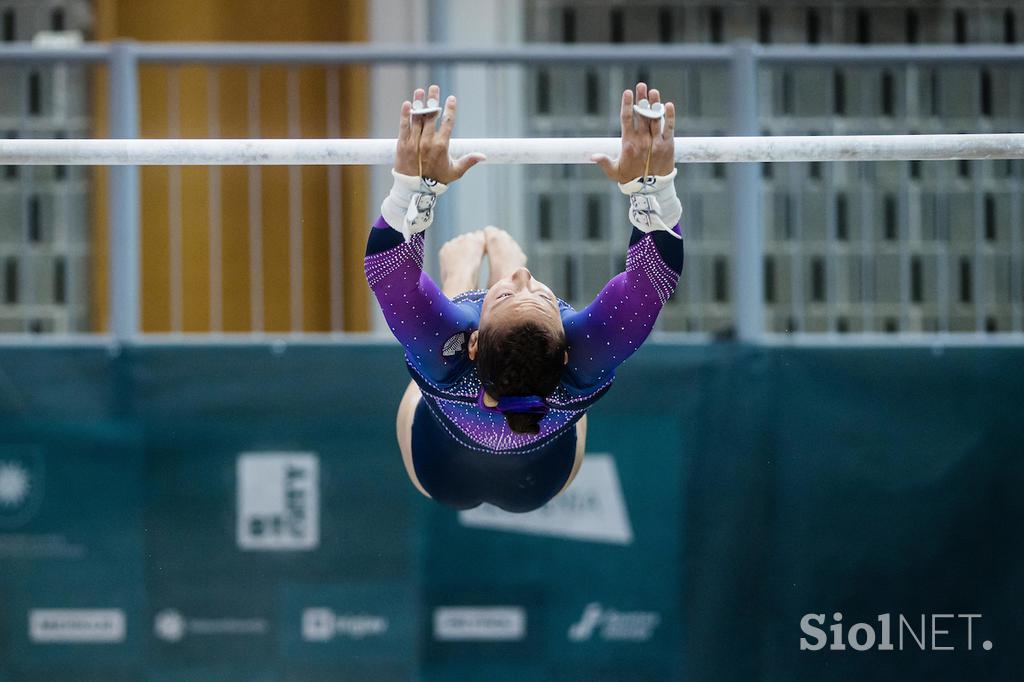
(460, 260)
(503, 253)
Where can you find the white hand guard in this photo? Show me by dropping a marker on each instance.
(409, 206)
(653, 204)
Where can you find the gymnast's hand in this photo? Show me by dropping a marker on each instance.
(423, 148)
(641, 136)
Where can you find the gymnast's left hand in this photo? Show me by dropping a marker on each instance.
(423, 147)
(645, 146)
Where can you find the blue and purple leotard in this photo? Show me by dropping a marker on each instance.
(481, 458)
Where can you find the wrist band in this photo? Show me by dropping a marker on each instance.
(653, 204)
(409, 206)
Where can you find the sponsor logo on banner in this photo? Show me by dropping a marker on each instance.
(21, 484)
(612, 625)
(76, 626)
(170, 625)
(479, 623)
(592, 509)
(323, 625)
(278, 501)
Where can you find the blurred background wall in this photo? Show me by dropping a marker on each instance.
(185, 101)
(883, 247)
(206, 102)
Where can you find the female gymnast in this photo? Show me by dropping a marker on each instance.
(503, 376)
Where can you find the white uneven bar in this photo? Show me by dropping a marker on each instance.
(265, 152)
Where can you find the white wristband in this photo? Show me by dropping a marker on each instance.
(409, 206)
(653, 204)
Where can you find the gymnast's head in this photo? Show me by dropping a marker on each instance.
(520, 347)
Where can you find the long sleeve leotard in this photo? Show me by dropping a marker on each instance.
(434, 330)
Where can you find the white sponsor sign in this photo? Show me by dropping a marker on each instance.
(76, 626)
(630, 626)
(278, 501)
(323, 625)
(592, 509)
(479, 623)
(171, 626)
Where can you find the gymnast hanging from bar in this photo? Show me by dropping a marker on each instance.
(503, 376)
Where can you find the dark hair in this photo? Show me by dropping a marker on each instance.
(525, 360)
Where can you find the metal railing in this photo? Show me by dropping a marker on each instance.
(747, 277)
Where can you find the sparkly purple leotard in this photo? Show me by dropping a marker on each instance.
(435, 332)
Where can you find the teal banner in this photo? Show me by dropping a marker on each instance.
(242, 513)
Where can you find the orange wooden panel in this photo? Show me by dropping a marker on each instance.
(225, 20)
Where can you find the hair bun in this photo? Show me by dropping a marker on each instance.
(523, 422)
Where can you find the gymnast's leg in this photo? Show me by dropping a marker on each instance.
(460, 259)
(504, 255)
(406, 411)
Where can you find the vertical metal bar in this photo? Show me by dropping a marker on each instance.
(174, 227)
(612, 194)
(903, 207)
(867, 247)
(494, 124)
(334, 208)
(831, 225)
(1016, 218)
(295, 207)
(867, 226)
(903, 226)
(576, 189)
(796, 244)
(978, 293)
(744, 185)
(1016, 255)
(979, 288)
(447, 80)
(692, 207)
(213, 189)
(696, 256)
(62, 202)
(831, 249)
(123, 196)
(497, 123)
(26, 290)
(942, 225)
(255, 186)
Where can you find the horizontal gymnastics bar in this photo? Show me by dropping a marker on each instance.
(533, 53)
(259, 152)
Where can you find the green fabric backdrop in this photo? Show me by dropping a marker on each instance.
(760, 484)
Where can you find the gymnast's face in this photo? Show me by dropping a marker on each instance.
(519, 298)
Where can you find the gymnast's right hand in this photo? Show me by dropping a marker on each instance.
(423, 147)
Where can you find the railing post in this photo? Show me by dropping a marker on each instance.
(123, 195)
(745, 197)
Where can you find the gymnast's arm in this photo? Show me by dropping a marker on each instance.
(421, 317)
(616, 323)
